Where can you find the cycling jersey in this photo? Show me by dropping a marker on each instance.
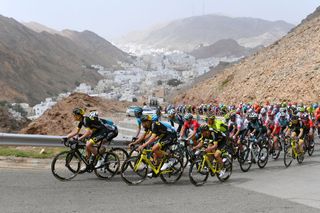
(214, 137)
(93, 124)
(193, 124)
(101, 128)
(165, 132)
(296, 127)
(219, 125)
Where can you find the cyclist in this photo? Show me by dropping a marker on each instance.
(175, 117)
(214, 141)
(159, 132)
(317, 118)
(308, 127)
(138, 139)
(96, 130)
(296, 129)
(255, 127)
(216, 124)
(190, 124)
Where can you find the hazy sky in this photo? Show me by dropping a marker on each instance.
(114, 18)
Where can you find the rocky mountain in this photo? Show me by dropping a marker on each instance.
(36, 65)
(186, 34)
(8, 123)
(59, 120)
(287, 70)
(223, 48)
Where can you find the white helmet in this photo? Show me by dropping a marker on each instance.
(93, 114)
(172, 112)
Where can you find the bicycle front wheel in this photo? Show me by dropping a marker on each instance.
(65, 166)
(174, 172)
(227, 169)
(198, 173)
(288, 156)
(122, 155)
(134, 170)
(263, 157)
(245, 158)
(108, 165)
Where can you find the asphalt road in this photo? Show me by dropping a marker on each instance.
(273, 189)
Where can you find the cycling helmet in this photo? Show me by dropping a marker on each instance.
(172, 112)
(301, 109)
(305, 116)
(188, 116)
(146, 118)
(233, 115)
(93, 114)
(138, 112)
(315, 106)
(78, 111)
(210, 116)
(263, 111)
(253, 115)
(204, 127)
(284, 104)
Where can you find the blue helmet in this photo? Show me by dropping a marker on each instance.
(138, 112)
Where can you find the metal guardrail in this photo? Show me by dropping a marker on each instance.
(7, 139)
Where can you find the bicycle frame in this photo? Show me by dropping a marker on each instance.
(206, 161)
(144, 158)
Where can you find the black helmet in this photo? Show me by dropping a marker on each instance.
(204, 127)
(78, 111)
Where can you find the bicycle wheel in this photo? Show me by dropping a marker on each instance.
(182, 155)
(122, 155)
(300, 158)
(227, 167)
(198, 175)
(109, 165)
(245, 158)
(311, 148)
(263, 157)
(65, 165)
(288, 156)
(174, 172)
(134, 171)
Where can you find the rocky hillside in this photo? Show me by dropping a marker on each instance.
(288, 70)
(186, 34)
(8, 123)
(36, 65)
(59, 119)
(223, 48)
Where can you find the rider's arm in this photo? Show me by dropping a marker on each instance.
(87, 133)
(138, 131)
(301, 133)
(198, 146)
(73, 133)
(182, 131)
(153, 138)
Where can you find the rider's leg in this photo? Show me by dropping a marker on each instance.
(90, 149)
(156, 152)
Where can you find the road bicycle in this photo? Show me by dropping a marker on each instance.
(68, 164)
(291, 153)
(206, 164)
(135, 169)
(254, 152)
